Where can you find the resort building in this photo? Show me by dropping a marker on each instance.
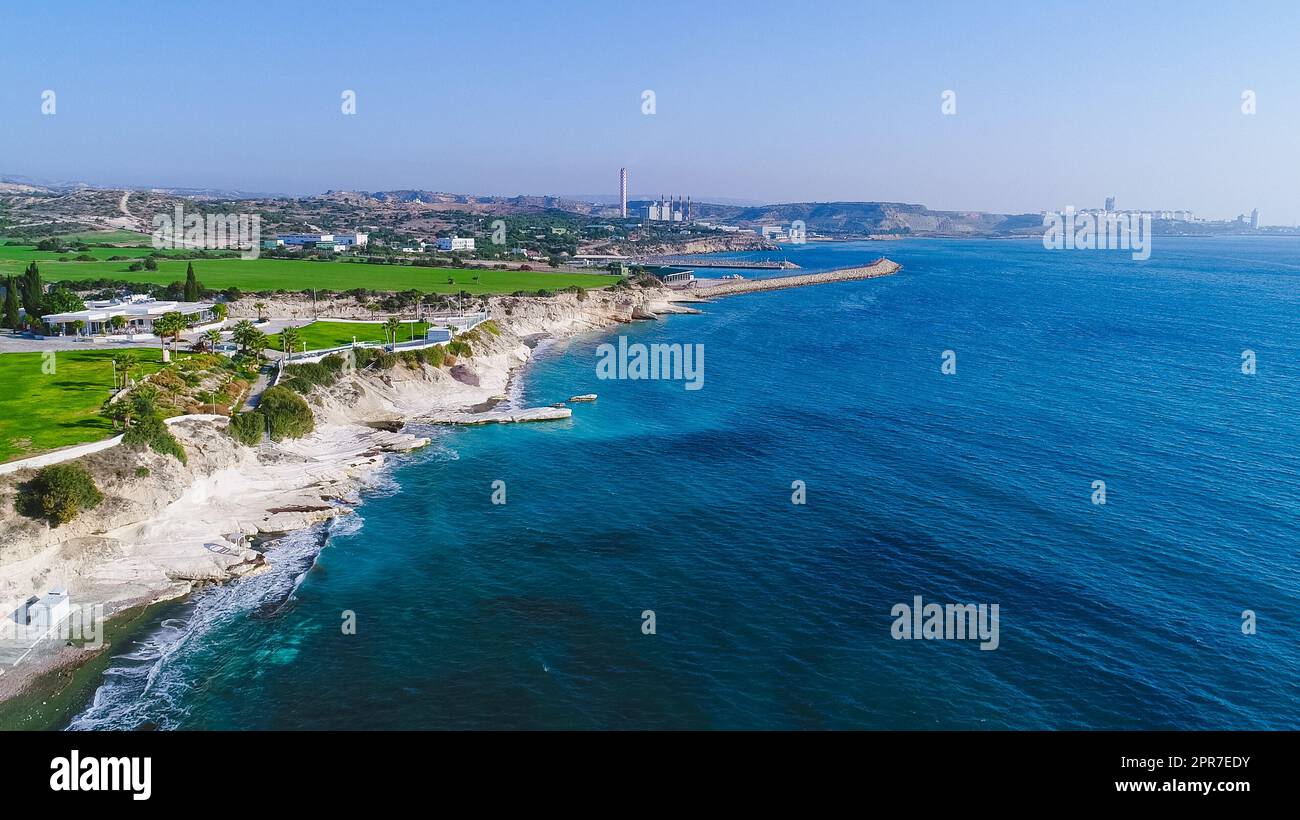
(455, 243)
(138, 314)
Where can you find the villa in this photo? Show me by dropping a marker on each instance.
(139, 313)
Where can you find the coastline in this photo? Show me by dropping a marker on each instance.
(181, 545)
(300, 483)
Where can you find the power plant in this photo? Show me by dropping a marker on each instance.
(673, 209)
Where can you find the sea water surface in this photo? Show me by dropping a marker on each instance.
(1072, 367)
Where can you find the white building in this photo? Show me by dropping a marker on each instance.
(331, 241)
(48, 612)
(138, 314)
(455, 243)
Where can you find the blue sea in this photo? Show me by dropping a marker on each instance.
(1072, 367)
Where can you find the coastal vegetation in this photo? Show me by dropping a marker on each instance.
(145, 427)
(281, 413)
(58, 494)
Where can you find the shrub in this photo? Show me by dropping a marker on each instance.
(491, 326)
(386, 360)
(58, 494)
(151, 431)
(246, 428)
(301, 378)
(459, 347)
(435, 356)
(141, 472)
(286, 413)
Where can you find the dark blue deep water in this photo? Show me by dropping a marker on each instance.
(1072, 367)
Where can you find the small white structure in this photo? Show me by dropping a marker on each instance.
(48, 612)
(455, 243)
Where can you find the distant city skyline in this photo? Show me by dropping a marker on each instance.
(1163, 106)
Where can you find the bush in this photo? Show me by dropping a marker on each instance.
(301, 378)
(459, 347)
(435, 356)
(386, 360)
(246, 428)
(286, 413)
(58, 494)
(151, 431)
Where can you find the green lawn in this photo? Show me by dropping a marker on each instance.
(268, 274)
(320, 335)
(42, 411)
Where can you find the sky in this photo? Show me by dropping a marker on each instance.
(1056, 103)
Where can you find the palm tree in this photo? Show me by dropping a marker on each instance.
(122, 364)
(211, 339)
(260, 307)
(118, 322)
(391, 328)
(220, 310)
(289, 338)
(243, 334)
(169, 324)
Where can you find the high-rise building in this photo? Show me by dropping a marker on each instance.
(1254, 219)
(1110, 204)
(622, 192)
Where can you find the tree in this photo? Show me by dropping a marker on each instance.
(193, 290)
(289, 338)
(391, 329)
(211, 339)
(32, 292)
(243, 334)
(150, 263)
(117, 322)
(61, 300)
(260, 307)
(122, 365)
(221, 311)
(169, 324)
(11, 318)
(78, 326)
(58, 494)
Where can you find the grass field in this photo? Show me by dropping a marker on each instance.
(267, 274)
(42, 411)
(100, 236)
(320, 335)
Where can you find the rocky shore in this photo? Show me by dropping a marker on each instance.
(165, 529)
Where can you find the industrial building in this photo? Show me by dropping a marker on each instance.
(673, 209)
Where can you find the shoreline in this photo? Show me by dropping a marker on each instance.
(308, 481)
(298, 484)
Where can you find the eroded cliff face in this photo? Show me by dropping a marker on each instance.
(163, 526)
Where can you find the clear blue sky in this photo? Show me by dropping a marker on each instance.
(1057, 103)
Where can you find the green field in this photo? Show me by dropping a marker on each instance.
(42, 411)
(321, 335)
(122, 237)
(268, 274)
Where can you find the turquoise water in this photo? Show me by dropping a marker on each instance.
(976, 487)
